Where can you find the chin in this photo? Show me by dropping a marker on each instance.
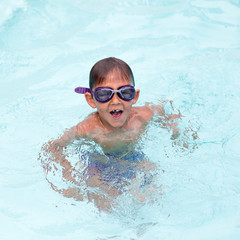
(118, 125)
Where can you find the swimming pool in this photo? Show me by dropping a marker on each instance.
(187, 51)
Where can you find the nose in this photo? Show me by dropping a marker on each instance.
(115, 99)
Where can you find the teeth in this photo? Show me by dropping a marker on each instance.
(116, 111)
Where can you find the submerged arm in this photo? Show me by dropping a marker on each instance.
(53, 153)
(54, 159)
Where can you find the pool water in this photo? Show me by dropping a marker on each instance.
(186, 51)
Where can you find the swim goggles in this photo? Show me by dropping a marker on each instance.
(104, 94)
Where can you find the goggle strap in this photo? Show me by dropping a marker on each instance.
(82, 90)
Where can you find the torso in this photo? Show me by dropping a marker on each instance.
(118, 138)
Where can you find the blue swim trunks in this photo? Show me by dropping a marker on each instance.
(115, 168)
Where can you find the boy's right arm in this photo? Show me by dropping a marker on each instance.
(55, 149)
(69, 136)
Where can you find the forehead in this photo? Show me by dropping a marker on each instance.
(114, 79)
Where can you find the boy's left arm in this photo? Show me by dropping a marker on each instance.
(168, 119)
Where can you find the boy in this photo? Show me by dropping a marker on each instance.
(115, 126)
(116, 123)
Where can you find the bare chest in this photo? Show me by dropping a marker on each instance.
(117, 139)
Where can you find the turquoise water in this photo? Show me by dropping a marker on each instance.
(187, 51)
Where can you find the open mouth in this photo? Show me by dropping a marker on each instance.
(116, 113)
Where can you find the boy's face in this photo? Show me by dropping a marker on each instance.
(116, 112)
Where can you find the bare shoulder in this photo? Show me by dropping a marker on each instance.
(87, 126)
(144, 112)
(157, 109)
(147, 111)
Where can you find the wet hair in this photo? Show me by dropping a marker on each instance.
(102, 68)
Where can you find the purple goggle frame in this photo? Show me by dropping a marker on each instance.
(104, 94)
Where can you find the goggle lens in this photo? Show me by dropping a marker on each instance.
(103, 95)
(128, 93)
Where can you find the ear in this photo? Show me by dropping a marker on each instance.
(90, 100)
(137, 92)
